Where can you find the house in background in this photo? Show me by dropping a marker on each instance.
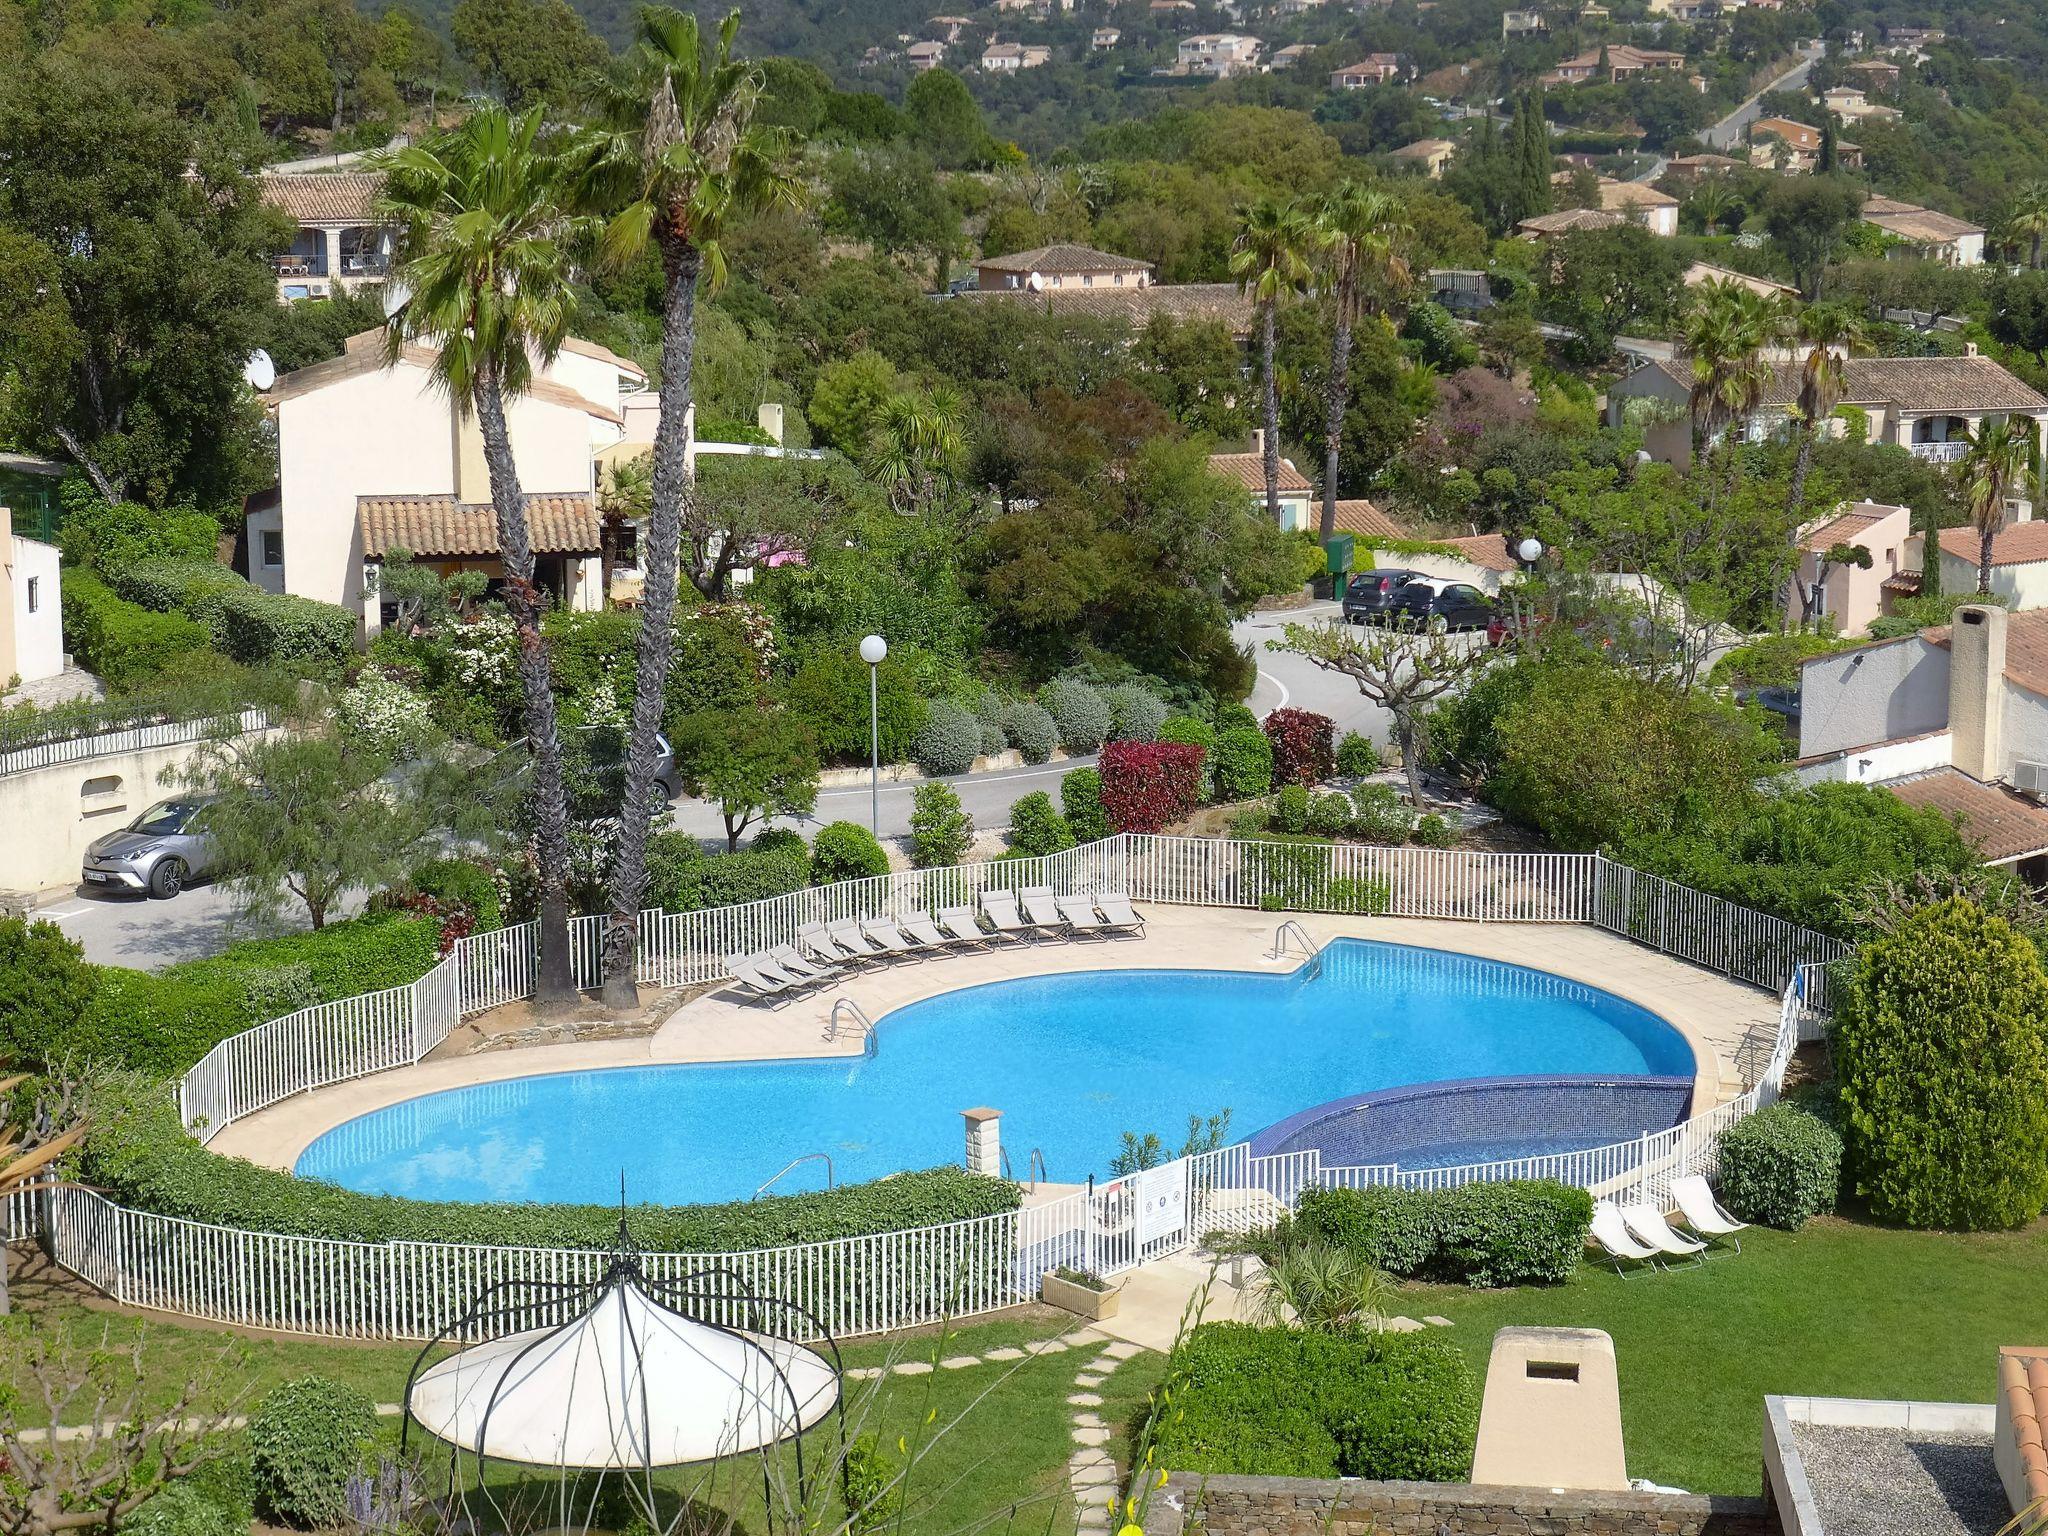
(1850, 104)
(1429, 156)
(1636, 201)
(1566, 221)
(1297, 496)
(1051, 267)
(1219, 55)
(1373, 69)
(1621, 61)
(1779, 144)
(1850, 596)
(2019, 561)
(1292, 55)
(1923, 232)
(1522, 23)
(31, 608)
(1080, 280)
(1706, 272)
(1008, 58)
(925, 55)
(1106, 37)
(1696, 168)
(338, 245)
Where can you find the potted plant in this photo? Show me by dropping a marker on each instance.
(1079, 1291)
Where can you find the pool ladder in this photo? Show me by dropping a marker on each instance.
(858, 1021)
(1292, 930)
(1035, 1170)
(798, 1162)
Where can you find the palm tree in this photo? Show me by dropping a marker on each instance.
(1712, 201)
(2028, 220)
(1998, 461)
(1830, 336)
(1725, 333)
(672, 159)
(1359, 230)
(918, 447)
(482, 250)
(1270, 263)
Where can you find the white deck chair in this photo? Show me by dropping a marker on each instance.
(1001, 910)
(1043, 911)
(1649, 1225)
(1081, 916)
(752, 980)
(1703, 1213)
(927, 933)
(962, 925)
(848, 935)
(1118, 914)
(1612, 1234)
(793, 961)
(813, 938)
(885, 932)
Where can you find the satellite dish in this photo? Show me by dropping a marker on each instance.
(260, 371)
(396, 297)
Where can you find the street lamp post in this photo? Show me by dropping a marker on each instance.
(1531, 550)
(872, 650)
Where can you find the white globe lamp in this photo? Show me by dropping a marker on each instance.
(1530, 550)
(872, 650)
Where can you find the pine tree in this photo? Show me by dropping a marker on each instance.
(1536, 159)
(1826, 165)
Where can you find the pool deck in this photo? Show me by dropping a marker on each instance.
(1714, 1013)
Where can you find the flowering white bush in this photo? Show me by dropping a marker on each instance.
(383, 714)
(484, 653)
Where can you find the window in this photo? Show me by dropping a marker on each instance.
(273, 547)
(35, 593)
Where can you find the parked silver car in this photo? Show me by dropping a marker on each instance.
(157, 852)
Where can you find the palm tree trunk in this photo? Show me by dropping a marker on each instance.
(1338, 398)
(657, 624)
(555, 981)
(1268, 344)
(2034, 252)
(1986, 532)
(1800, 465)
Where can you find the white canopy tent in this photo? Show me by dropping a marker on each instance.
(628, 1384)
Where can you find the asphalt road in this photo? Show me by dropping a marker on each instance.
(149, 935)
(1727, 133)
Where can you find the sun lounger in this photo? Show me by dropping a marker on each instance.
(1703, 1213)
(788, 958)
(1081, 916)
(962, 926)
(752, 979)
(848, 936)
(1649, 1226)
(812, 938)
(1612, 1234)
(884, 932)
(1001, 909)
(928, 933)
(1041, 909)
(1117, 913)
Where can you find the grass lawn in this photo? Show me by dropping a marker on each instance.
(1839, 1309)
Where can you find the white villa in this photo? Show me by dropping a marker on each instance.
(31, 607)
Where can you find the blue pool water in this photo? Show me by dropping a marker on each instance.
(1071, 1060)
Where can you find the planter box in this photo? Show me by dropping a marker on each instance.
(1081, 1300)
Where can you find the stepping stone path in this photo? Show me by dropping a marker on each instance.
(1091, 1470)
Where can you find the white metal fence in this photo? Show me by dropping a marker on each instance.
(134, 738)
(897, 1279)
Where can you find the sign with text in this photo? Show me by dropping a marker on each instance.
(1162, 1197)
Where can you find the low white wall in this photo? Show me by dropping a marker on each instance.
(1874, 765)
(1785, 1482)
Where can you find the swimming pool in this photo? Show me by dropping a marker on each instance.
(1072, 1060)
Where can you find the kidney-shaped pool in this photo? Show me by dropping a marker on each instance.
(1072, 1061)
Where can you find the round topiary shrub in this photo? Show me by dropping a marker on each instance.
(1081, 803)
(1244, 763)
(992, 710)
(1079, 711)
(1036, 828)
(786, 841)
(1432, 831)
(846, 850)
(1941, 1053)
(1328, 815)
(305, 1440)
(1357, 756)
(950, 740)
(1290, 809)
(1032, 730)
(1780, 1166)
(1135, 712)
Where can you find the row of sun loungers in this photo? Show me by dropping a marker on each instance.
(1640, 1234)
(824, 952)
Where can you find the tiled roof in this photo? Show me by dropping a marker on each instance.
(1423, 149)
(1368, 521)
(1633, 194)
(1903, 584)
(1224, 302)
(2026, 648)
(1487, 550)
(2019, 544)
(1705, 272)
(1999, 824)
(1565, 220)
(1849, 521)
(365, 354)
(440, 526)
(1249, 471)
(2022, 1450)
(1064, 259)
(1909, 383)
(1923, 226)
(1704, 163)
(603, 354)
(322, 197)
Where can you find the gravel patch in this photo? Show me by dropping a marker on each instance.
(1885, 1482)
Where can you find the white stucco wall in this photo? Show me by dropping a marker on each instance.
(591, 377)
(2026, 727)
(1875, 693)
(38, 636)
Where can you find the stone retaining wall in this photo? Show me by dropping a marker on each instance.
(1299, 1506)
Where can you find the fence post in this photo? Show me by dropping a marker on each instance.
(1088, 1228)
(1643, 1167)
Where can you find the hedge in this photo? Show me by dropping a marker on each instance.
(306, 1440)
(1284, 1402)
(1244, 763)
(846, 850)
(1079, 711)
(1032, 730)
(1036, 829)
(164, 1021)
(1304, 749)
(119, 641)
(1297, 875)
(950, 740)
(681, 877)
(139, 1154)
(1779, 1166)
(246, 623)
(1509, 1232)
(1147, 785)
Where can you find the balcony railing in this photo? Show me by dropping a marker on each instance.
(1939, 453)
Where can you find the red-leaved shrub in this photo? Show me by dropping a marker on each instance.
(1304, 746)
(1148, 784)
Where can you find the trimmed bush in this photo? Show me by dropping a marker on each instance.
(1031, 730)
(1328, 815)
(950, 740)
(1290, 809)
(184, 1508)
(1244, 763)
(845, 850)
(45, 989)
(1380, 814)
(1357, 756)
(1081, 804)
(1294, 873)
(1304, 750)
(463, 883)
(1147, 785)
(305, 1439)
(1079, 711)
(1509, 1232)
(940, 832)
(992, 711)
(786, 841)
(1779, 1166)
(246, 623)
(103, 536)
(1432, 831)
(120, 641)
(1135, 712)
(1036, 828)
(1285, 1402)
(1230, 717)
(1190, 732)
(830, 694)
(1942, 1063)
(681, 877)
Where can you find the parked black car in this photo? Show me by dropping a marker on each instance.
(1370, 595)
(1441, 605)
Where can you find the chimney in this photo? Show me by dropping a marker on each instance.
(1969, 349)
(1976, 691)
(1258, 442)
(471, 477)
(769, 418)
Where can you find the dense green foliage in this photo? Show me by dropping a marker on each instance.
(305, 1440)
(45, 989)
(123, 642)
(950, 740)
(1037, 827)
(1780, 1166)
(1942, 1062)
(845, 850)
(1081, 804)
(246, 623)
(1282, 1402)
(681, 877)
(940, 832)
(1513, 1232)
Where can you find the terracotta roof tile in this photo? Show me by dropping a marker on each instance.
(2026, 648)
(1850, 519)
(1999, 824)
(1249, 471)
(1487, 550)
(2022, 1449)
(1922, 225)
(440, 526)
(365, 354)
(1064, 258)
(1907, 383)
(2018, 544)
(1368, 521)
(1565, 220)
(1223, 302)
(322, 197)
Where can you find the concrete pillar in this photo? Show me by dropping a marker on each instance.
(331, 239)
(1976, 691)
(984, 1141)
(769, 417)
